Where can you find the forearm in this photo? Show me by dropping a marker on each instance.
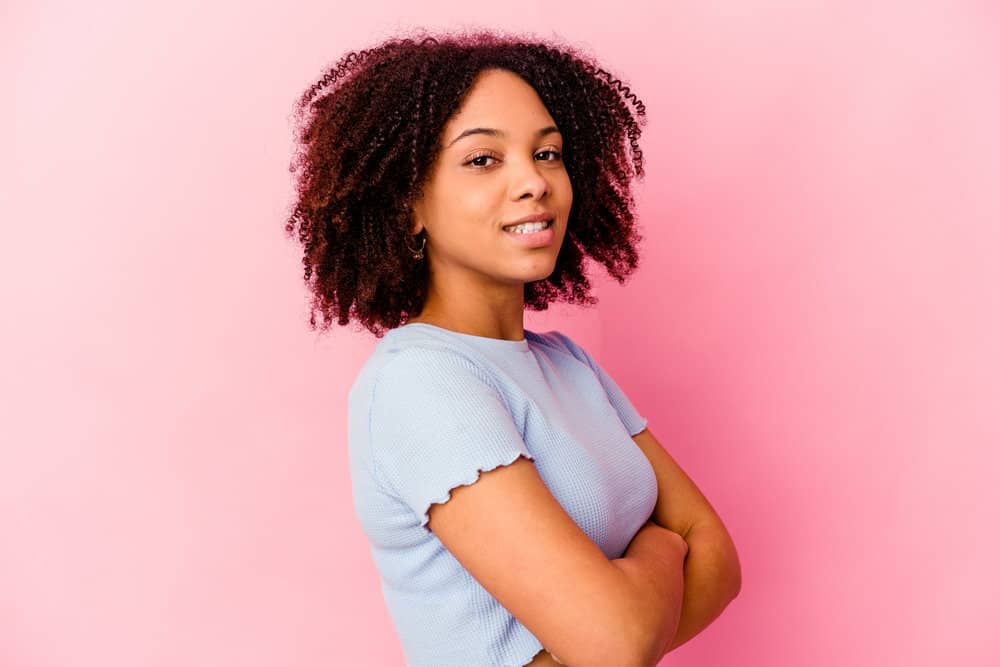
(711, 581)
(655, 598)
(657, 582)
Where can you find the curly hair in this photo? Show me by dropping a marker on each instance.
(366, 145)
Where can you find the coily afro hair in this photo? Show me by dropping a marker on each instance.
(369, 132)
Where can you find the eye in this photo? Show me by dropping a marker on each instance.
(476, 160)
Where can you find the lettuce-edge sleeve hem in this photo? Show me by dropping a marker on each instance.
(468, 480)
(437, 421)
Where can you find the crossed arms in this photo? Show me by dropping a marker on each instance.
(576, 602)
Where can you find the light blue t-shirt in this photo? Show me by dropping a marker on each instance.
(428, 411)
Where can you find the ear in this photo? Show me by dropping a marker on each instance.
(416, 219)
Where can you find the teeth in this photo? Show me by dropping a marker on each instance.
(528, 227)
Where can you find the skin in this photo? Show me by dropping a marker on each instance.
(478, 184)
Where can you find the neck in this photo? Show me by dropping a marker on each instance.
(498, 314)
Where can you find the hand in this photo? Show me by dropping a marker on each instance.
(652, 533)
(544, 658)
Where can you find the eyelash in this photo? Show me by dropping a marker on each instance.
(558, 156)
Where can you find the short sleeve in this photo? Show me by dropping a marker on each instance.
(436, 423)
(627, 412)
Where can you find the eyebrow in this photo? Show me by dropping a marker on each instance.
(500, 133)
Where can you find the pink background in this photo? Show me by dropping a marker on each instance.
(813, 333)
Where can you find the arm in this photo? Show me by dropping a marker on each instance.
(707, 579)
(580, 606)
(655, 599)
(712, 574)
(653, 564)
(710, 582)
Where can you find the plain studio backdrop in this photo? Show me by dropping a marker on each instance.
(813, 332)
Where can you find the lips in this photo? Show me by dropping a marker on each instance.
(537, 216)
(536, 239)
(548, 223)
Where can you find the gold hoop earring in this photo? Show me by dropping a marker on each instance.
(417, 254)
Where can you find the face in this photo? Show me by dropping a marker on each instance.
(484, 180)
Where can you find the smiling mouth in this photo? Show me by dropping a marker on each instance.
(528, 227)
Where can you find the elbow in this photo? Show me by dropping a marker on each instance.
(726, 565)
(737, 581)
(734, 570)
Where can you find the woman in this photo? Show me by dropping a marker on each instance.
(517, 507)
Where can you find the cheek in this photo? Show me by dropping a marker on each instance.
(564, 183)
(481, 206)
(466, 208)
(566, 194)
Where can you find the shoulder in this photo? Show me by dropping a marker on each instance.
(561, 342)
(431, 369)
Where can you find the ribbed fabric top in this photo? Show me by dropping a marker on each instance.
(432, 408)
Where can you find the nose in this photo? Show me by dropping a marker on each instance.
(529, 181)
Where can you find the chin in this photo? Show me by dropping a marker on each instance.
(540, 275)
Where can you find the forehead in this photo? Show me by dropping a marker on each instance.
(502, 100)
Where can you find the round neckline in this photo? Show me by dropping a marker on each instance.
(485, 340)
